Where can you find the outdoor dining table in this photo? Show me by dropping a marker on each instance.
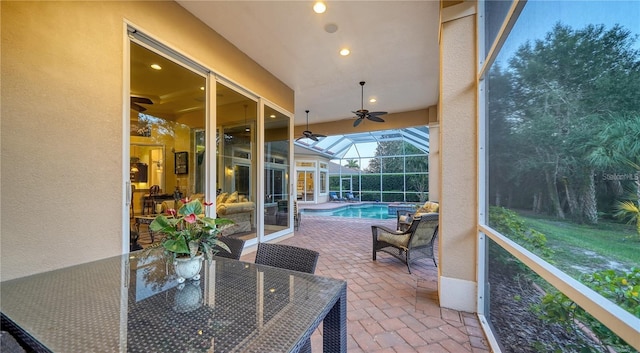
(134, 303)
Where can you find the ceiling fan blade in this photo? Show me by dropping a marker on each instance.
(359, 113)
(375, 118)
(357, 122)
(142, 100)
(300, 138)
(137, 107)
(319, 135)
(377, 113)
(313, 137)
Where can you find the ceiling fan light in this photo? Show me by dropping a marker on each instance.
(319, 7)
(345, 51)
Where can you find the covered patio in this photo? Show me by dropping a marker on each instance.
(389, 310)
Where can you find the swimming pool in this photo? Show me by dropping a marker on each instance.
(375, 211)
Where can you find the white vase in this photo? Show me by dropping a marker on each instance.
(188, 268)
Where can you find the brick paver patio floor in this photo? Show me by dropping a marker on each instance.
(389, 310)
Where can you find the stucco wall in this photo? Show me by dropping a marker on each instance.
(62, 193)
(458, 165)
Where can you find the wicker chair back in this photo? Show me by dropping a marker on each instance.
(236, 246)
(287, 257)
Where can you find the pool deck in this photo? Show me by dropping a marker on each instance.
(388, 309)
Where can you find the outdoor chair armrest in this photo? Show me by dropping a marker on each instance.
(383, 235)
(374, 230)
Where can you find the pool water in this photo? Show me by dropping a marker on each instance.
(374, 211)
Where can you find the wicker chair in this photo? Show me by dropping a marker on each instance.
(287, 256)
(410, 245)
(290, 258)
(236, 245)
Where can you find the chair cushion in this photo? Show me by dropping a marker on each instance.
(428, 207)
(431, 207)
(400, 241)
(405, 219)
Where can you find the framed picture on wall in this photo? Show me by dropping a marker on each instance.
(181, 162)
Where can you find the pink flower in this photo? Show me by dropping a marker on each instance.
(172, 212)
(185, 200)
(190, 218)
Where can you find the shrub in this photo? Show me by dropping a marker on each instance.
(620, 287)
(512, 225)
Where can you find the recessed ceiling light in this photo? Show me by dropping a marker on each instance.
(372, 100)
(202, 88)
(156, 67)
(272, 116)
(319, 7)
(345, 52)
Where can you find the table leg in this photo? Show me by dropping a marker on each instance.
(137, 225)
(334, 339)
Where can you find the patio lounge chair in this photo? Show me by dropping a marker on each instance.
(350, 197)
(333, 197)
(410, 245)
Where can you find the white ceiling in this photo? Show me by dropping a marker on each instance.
(394, 48)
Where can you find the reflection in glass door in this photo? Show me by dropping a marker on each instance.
(236, 181)
(161, 128)
(277, 203)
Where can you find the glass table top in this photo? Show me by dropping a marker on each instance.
(134, 303)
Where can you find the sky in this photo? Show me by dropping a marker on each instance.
(539, 16)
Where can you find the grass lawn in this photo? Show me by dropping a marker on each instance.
(581, 248)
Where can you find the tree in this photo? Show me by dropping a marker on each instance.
(562, 87)
(616, 149)
(352, 163)
(393, 153)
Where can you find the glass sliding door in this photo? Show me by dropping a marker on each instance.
(305, 181)
(236, 184)
(277, 203)
(167, 132)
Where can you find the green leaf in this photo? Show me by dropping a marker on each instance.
(193, 207)
(222, 245)
(178, 245)
(162, 224)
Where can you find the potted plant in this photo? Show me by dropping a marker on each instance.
(188, 235)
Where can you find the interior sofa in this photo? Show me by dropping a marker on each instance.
(236, 208)
(230, 206)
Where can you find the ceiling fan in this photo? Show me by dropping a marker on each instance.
(306, 134)
(365, 114)
(136, 101)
